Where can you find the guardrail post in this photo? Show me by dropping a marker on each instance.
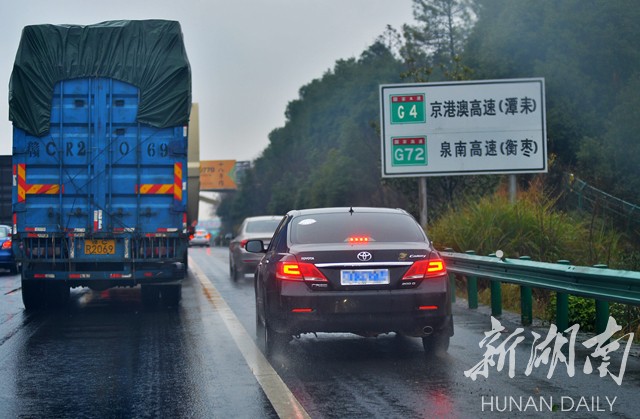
(472, 287)
(452, 280)
(526, 304)
(496, 296)
(602, 310)
(562, 306)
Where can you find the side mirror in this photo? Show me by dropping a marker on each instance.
(254, 246)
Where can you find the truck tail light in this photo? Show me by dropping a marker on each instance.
(427, 268)
(289, 269)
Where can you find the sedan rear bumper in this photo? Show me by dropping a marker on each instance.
(413, 312)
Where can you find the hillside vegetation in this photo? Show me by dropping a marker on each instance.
(328, 151)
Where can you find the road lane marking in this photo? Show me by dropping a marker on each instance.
(284, 402)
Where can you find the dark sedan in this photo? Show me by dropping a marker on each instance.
(360, 270)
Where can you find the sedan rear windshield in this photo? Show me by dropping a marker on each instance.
(343, 227)
(262, 226)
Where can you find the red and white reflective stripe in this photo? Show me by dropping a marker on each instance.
(37, 229)
(15, 223)
(124, 230)
(167, 230)
(39, 276)
(97, 220)
(37, 236)
(155, 235)
(79, 276)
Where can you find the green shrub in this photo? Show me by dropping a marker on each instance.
(531, 226)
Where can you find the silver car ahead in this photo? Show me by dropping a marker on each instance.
(200, 238)
(242, 262)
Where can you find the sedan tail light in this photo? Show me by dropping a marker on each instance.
(289, 269)
(6, 245)
(423, 269)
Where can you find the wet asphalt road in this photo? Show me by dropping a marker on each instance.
(106, 356)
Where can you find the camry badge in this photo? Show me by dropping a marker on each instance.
(364, 256)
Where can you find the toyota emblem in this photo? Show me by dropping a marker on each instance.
(364, 256)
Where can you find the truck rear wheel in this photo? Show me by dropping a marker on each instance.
(32, 295)
(150, 294)
(37, 295)
(56, 295)
(171, 294)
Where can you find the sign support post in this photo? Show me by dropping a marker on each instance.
(423, 202)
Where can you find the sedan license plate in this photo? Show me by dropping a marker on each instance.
(99, 247)
(364, 277)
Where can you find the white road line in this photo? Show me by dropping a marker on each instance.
(283, 401)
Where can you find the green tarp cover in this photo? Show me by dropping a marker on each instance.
(148, 54)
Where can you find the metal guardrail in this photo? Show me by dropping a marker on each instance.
(589, 198)
(598, 282)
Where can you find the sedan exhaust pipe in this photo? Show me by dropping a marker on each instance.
(427, 330)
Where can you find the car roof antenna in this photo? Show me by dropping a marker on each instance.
(351, 210)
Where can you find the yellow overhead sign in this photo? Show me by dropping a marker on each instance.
(217, 175)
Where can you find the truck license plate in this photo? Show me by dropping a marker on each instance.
(99, 247)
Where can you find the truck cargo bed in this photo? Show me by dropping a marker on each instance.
(101, 190)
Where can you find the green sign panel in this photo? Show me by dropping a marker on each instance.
(409, 151)
(407, 109)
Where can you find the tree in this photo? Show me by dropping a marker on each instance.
(612, 160)
(585, 49)
(437, 40)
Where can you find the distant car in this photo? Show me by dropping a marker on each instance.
(261, 227)
(200, 238)
(7, 259)
(366, 271)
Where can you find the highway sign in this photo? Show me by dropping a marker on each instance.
(217, 175)
(463, 128)
(409, 151)
(407, 109)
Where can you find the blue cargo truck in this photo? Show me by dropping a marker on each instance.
(100, 116)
